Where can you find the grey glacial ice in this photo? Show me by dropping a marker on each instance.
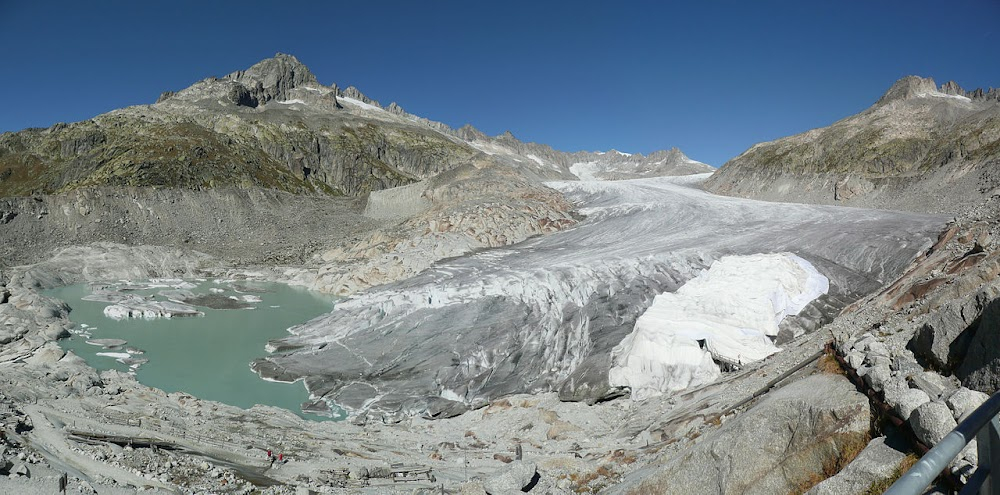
(545, 314)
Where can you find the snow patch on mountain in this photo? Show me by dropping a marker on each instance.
(360, 104)
(727, 314)
(938, 94)
(585, 171)
(536, 159)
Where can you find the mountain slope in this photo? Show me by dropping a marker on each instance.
(272, 126)
(919, 147)
(274, 143)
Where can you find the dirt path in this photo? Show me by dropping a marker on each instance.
(47, 438)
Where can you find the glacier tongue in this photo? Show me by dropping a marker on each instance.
(733, 308)
(545, 314)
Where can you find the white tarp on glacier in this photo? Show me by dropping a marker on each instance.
(728, 313)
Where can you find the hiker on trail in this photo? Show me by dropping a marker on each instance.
(281, 457)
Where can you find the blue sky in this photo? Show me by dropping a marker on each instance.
(711, 78)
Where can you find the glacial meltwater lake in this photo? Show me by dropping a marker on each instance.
(206, 356)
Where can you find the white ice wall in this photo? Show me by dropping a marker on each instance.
(733, 308)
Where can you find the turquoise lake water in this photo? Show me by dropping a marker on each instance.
(206, 356)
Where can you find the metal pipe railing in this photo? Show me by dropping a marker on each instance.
(984, 425)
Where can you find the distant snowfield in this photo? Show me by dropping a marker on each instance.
(938, 94)
(359, 103)
(549, 311)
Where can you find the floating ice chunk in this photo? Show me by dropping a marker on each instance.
(250, 298)
(132, 363)
(117, 312)
(107, 343)
(727, 314)
(149, 310)
(216, 290)
(116, 355)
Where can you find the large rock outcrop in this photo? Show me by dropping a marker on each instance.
(774, 447)
(980, 370)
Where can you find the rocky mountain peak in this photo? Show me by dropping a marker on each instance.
(908, 87)
(273, 78)
(395, 109)
(671, 154)
(952, 88)
(469, 133)
(356, 94)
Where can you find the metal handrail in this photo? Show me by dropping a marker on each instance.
(984, 425)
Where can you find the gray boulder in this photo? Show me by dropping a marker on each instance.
(774, 447)
(855, 359)
(931, 422)
(964, 401)
(934, 384)
(358, 473)
(944, 338)
(980, 370)
(908, 400)
(876, 462)
(21, 470)
(55, 331)
(877, 377)
(518, 476)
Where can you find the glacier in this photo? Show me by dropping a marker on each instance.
(545, 314)
(728, 313)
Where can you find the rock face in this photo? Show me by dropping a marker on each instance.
(220, 222)
(911, 87)
(918, 148)
(273, 78)
(771, 448)
(980, 370)
(943, 340)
